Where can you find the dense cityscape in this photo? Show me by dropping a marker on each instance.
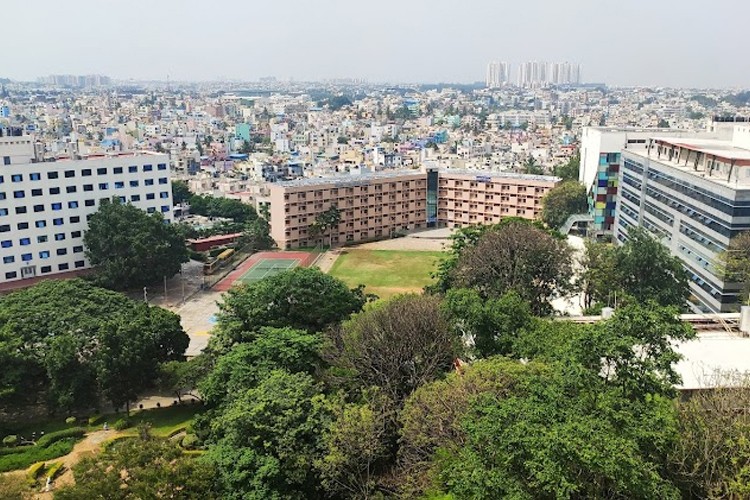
(525, 282)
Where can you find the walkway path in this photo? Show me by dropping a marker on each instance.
(90, 445)
(328, 259)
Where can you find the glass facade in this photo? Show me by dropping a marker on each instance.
(432, 198)
(603, 194)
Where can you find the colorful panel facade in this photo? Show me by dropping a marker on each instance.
(603, 193)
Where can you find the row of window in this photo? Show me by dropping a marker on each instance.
(40, 239)
(75, 204)
(44, 254)
(48, 269)
(103, 186)
(4, 228)
(86, 172)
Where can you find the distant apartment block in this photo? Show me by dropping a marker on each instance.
(694, 195)
(45, 205)
(498, 74)
(379, 205)
(539, 74)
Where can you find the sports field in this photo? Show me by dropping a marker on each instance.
(264, 264)
(386, 272)
(267, 267)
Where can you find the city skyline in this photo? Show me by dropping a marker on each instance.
(637, 44)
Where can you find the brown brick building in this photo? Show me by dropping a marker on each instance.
(377, 205)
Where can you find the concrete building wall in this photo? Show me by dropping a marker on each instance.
(378, 205)
(468, 199)
(693, 215)
(44, 207)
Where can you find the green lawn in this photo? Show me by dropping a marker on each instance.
(166, 421)
(386, 272)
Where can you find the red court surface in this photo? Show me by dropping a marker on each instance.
(305, 260)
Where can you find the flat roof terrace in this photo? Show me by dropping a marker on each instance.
(715, 161)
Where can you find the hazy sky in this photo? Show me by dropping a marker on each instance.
(687, 43)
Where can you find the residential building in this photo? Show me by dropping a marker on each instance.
(45, 205)
(498, 74)
(381, 204)
(692, 193)
(601, 149)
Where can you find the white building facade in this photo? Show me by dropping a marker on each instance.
(45, 205)
(693, 194)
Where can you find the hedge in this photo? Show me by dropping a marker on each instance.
(35, 470)
(17, 449)
(24, 459)
(52, 437)
(54, 470)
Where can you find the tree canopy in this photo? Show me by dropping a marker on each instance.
(228, 208)
(180, 192)
(641, 269)
(398, 345)
(69, 343)
(553, 427)
(514, 255)
(569, 171)
(143, 467)
(734, 263)
(130, 248)
(303, 298)
(564, 200)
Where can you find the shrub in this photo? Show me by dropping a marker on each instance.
(122, 424)
(95, 419)
(35, 470)
(17, 449)
(54, 470)
(70, 420)
(190, 441)
(25, 458)
(10, 440)
(53, 437)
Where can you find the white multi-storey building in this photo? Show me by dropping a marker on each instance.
(693, 194)
(45, 205)
(498, 74)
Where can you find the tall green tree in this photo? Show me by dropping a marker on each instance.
(324, 222)
(515, 256)
(608, 436)
(303, 298)
(569, 171)
(211, 206)
(247, 364)
(70, 343)
(180, 192)
(357, 451)
(640, 270)
(130, 248)
(267, 439)
(562, 201)
(492, 325)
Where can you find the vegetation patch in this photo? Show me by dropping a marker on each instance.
(28, 456)
(386, 272)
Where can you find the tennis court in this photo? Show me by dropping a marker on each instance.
(264, 264)
(267, 267)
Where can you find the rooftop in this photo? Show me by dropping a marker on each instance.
(713, 359)
(358, 178)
